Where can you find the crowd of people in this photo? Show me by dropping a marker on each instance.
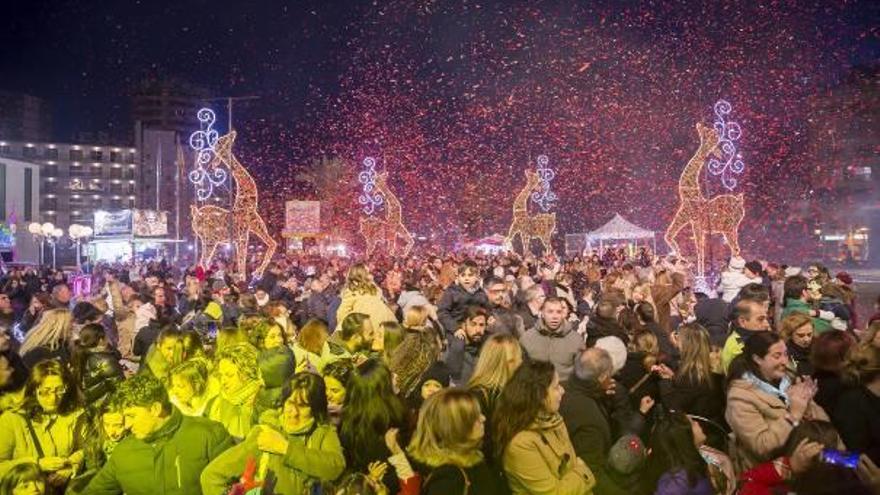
(439, 375)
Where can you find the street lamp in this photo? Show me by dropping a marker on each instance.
(79, 233)
(42, 233)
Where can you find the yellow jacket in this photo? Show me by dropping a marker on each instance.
(541, 461)
(56, 436)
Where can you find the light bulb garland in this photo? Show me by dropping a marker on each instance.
(370, 198)
(211, 224)
(205, 178)
(387, 231)
(541, 225)
(544, 197)
(731, 160)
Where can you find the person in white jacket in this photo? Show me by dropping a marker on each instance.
(733, 279)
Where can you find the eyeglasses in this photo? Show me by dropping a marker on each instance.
(46, 392)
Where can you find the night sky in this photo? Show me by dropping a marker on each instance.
(457, 99)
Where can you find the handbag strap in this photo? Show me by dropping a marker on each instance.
(33, 433)
(467, 481)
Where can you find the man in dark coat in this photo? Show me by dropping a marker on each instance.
(587, 418)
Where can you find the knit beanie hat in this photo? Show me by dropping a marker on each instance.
(616, 349)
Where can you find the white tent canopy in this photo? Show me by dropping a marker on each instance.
(619, 228)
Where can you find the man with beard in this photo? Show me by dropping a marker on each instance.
(464, 347)
(553, 338)
(502, 319)
(354, 339)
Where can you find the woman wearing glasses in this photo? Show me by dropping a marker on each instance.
(43, 430)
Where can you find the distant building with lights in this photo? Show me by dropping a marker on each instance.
(843, 130)
(75, 180)
(164, 114)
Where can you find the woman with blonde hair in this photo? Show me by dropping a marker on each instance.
(361, 295)
(499, 359)
(238, 375)
(696, 388)
(447, 443)
(50, 338)
(311, 349)
(797, 331)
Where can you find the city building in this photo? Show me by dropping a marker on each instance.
(24, 117)
(75, 180)
(843, 130)
(19, 206)
(164, 114)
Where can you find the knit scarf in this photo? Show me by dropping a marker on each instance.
(781, 391)
(244, 394)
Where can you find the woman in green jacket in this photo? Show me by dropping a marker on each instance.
(44, 430)
(301, 451)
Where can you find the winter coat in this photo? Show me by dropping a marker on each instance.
(454, 302)
(371, 305)
(663, 294)
(712, 314)
(100, 375)
(598, 327)
(758, 423)
(734, 345)
(731, 283)
(800, 358)
(529, 319)
(542, 461)
(589, 424)
(699, 399)
(461, 358)
(506, 321)
(318, 305)
(56, 436)
(857, 418)
(312, 456)
(676, 483)
(453, 480)
(831, 387)
(559, 347)
(169, 461)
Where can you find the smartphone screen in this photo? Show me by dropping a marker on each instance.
(839, 458)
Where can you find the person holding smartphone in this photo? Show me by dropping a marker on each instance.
(812, 463)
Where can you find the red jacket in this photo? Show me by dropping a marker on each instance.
(764, 479)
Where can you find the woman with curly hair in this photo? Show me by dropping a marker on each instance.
(44, 430)
(239, 379)
(361, 295)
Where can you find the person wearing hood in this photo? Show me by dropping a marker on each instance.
(464, 346)
(750, 318)
(466, 291)
(553, 339)
(733, 279)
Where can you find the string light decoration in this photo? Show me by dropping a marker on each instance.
(203, 142)
(731, 160)
(210, 223)
(385, 231)
(541, 225)
(370, 198)
(544, 197)
(719, 215)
